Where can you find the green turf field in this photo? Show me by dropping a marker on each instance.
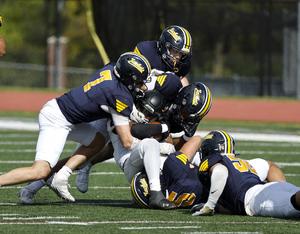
(107, 208)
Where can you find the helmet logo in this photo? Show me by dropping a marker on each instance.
(209, 136)
(144, 185)
(136, 64)
(174, 34)
(196, 97)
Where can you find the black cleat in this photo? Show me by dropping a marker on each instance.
(158, 201)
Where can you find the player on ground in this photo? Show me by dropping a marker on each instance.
(108, 94)
(179, 177)
(234, 183)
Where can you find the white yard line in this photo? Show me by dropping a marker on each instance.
(33, 126)
(41, 218)
(159, 227)
(151, 222)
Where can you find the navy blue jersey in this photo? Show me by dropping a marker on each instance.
(83, 104)
(241, 177)
(151, 51)
(180, 179)
(168, 84)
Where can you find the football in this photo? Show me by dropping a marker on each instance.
(160, 136)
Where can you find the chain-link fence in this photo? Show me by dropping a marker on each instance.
(36, 75)
(239, 47)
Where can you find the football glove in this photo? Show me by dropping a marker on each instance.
(137, 116)
(202, 210)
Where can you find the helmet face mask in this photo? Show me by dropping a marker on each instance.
(192, 103)
(175, 46)
(153, 104)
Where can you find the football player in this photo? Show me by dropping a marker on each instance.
(179, 179)
(196, 98)
(145, 156)
(108, 94)
(152, 103)
(172, 52)
(179, 176)
(235, 186)
(192, 103)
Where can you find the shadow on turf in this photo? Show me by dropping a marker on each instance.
(101, 202)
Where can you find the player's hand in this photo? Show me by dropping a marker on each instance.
(166, 148)
(202, 210)
(155, 72)
(137, 116)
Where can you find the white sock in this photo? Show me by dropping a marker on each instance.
(152, 164)
(65, 172)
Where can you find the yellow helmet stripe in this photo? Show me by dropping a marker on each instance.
(134, 193)
(206, 107)
(187, 39)
(229, 142)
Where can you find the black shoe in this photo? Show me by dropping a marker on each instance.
(158, 201)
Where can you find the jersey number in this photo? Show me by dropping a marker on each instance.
(183, 200)
(241, 165)
(104, 75)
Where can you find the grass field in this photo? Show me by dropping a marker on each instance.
(107, 207)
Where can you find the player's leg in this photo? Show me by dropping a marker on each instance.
(261, 167)
(147, 155)
(39, 169)
(91, 143)
(273, 199)
(54, 129)
(267, 170)
(82, 178)
(27, 193)
(275, 173)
